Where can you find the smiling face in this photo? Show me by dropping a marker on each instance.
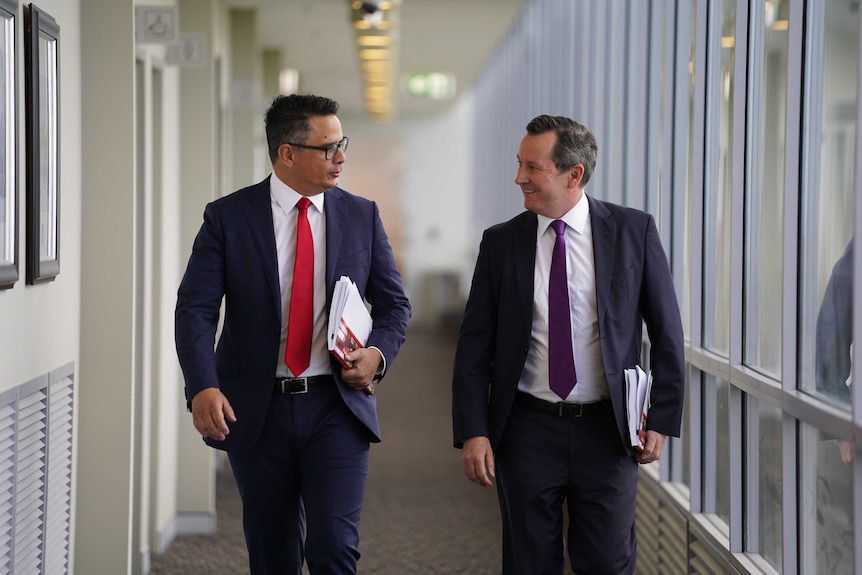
(308, 171)
(547, 190)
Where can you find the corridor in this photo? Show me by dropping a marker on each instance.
(420, 517)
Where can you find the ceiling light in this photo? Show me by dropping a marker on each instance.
(288, 81)
(376, 27)
(371, 54)
(375, 66)
(374, 40)
(363, 25)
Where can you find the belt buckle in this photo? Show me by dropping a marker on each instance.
(303, 381)
(286, 385)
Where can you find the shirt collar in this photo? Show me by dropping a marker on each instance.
(575, 218)
(286, 197)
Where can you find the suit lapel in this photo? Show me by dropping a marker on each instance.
(604, 247)
(336, 220)
(258, 211)
(524, 248)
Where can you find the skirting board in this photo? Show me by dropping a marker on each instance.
(185, 524)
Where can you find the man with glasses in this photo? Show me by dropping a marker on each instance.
(295, 424)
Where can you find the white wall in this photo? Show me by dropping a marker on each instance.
(40, 323)
(110, 276)
(420, 173)
(437, 199)
(168, 402)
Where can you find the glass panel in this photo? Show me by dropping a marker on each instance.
(763, 481)
(828, 198)
(686, 280)
(716, 452)
(656, 147)
(48, 146)
(681, 452)
(764, 223)
(716, 263)
(826, 510)
(7, 141)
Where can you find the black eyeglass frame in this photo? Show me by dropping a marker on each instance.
(328, 151)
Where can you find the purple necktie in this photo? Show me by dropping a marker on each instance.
(561, 360)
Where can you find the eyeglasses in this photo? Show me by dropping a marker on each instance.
(328, 151)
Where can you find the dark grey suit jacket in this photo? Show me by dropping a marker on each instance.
(633, 286)
(234, 258)
(835, 330)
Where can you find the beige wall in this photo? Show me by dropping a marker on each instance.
(40, 323)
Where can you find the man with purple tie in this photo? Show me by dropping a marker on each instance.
(295, 425)
(558, 299)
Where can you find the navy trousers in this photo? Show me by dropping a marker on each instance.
(302, 486)
(545, 461)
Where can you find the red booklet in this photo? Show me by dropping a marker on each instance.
(349, 321)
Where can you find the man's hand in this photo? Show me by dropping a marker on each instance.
(477, 458)
(366, 362)
(652, 447)
(210, 408)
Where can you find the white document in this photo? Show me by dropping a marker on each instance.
(349, 321)
(638, 386)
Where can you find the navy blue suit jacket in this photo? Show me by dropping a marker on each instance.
(633, 284)
(234, 258)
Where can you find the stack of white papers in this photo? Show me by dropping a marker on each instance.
(349, 321)
(638, 385)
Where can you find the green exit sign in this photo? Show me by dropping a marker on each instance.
(430, 85)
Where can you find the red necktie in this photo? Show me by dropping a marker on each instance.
(300, 320)
(561, 359)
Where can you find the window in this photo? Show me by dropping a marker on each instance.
(764, 199)
(716, 452)
(763, 497)
(717, 220)
(691, 188)
(8, 147)
(828, 197)
(826, 505)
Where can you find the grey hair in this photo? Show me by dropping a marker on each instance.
(575, 143)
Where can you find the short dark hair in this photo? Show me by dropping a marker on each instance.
(575, 143)
(287, 118)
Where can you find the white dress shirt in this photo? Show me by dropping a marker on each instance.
(592, 384)
(284, 212)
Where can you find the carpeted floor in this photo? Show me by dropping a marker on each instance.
(420, 517)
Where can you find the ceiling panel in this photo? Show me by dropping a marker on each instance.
(317, 38)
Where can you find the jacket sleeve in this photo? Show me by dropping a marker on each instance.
(198, 304)
(390, 308)
(660, 311)
(474, 355)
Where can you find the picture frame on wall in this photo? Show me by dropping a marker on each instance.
(42, 92)
(8, 145)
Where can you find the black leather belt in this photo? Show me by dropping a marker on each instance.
(293, 385)
(561, 409)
